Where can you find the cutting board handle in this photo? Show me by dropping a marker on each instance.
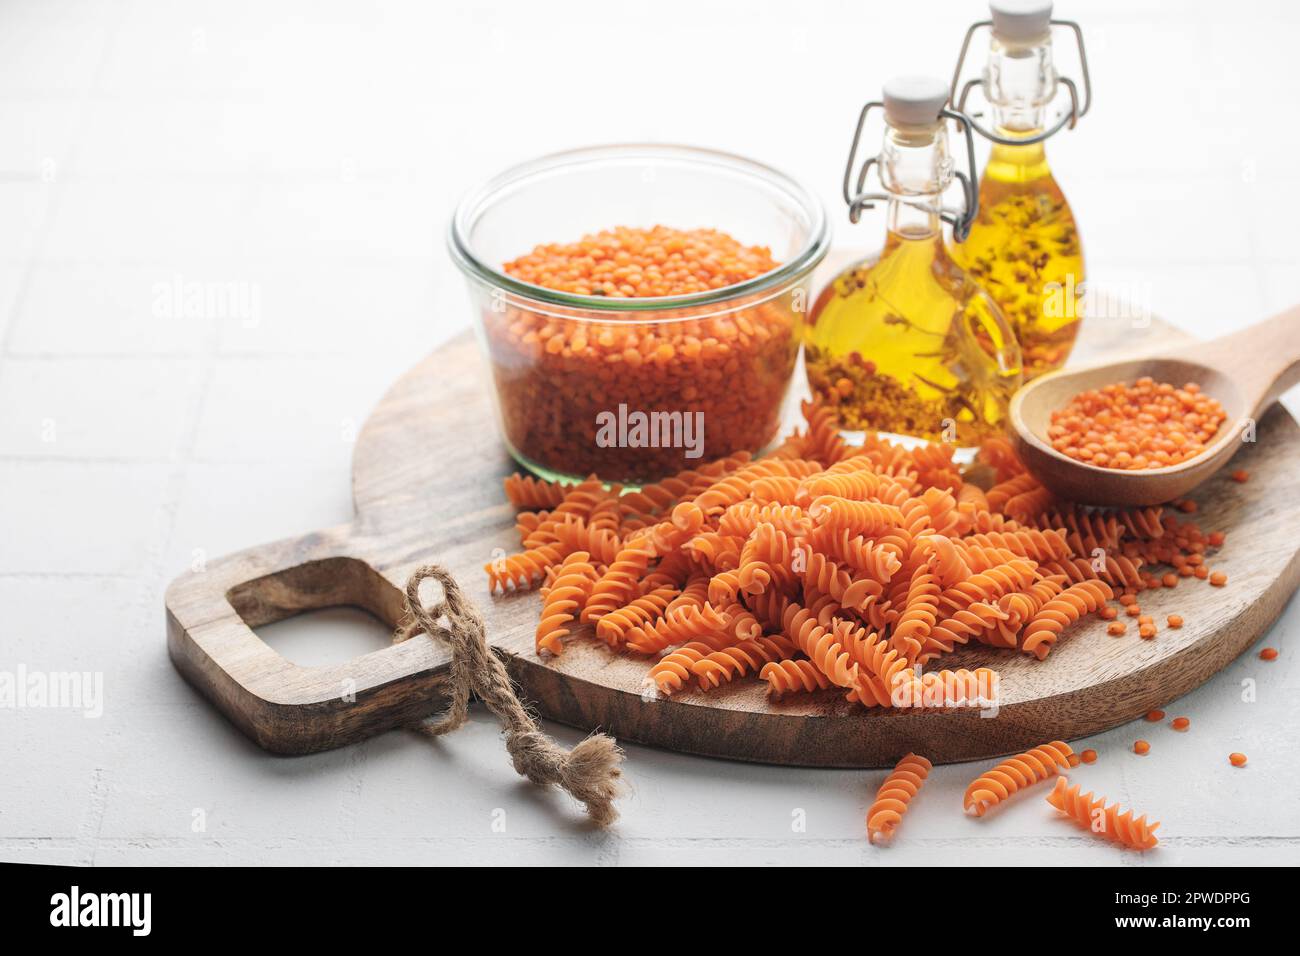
(211, 613)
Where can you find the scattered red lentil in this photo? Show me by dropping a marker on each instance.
(1170, 580)
(1155, 716)
(1175, 620)
(1241, 475)
(1237, 759)
(1147, 631)
(1132, 427)
(1268, 654)
(1141, 747)
(1215, 539)
(1218, 579)
(1201, 571)
(1115, 628)
(1127, 598)
(1088, 756)
(1107, 612)
(1133, 610)
(1180, 723)
(1187, 506)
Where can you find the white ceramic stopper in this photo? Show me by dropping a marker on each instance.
(1021, 21)
(914, 100)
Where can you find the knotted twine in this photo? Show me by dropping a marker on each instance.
(589, 772)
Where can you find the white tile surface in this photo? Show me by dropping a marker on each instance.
(312, 307)
(25, 208)
(1281, 285)
(146, 410)
(12, 274)
(1202, 299)
(148, 220)
(300, 159)
(28, 66)
(80, 517)
(40, 137)
(276, 409)
(79, 308)
(218, 503)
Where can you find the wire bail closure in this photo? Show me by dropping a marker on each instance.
(961, 220)
(1070, 118)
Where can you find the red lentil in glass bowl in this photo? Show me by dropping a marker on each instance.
(591, 375)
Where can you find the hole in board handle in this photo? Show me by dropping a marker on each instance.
(341, 608)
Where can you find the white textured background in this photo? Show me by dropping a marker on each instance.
(313, 152)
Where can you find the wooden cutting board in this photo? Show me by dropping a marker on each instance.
(427, 473)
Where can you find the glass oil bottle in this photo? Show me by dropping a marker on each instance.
(1024, 246)
(904, 342)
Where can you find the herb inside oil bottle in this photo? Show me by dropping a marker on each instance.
(1024, 246)
(905, 342)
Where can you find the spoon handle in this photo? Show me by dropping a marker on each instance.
(1264, 358)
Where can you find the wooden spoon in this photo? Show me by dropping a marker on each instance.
(1246, 371)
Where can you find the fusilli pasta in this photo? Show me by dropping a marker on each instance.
(894, 796)
(1015, 773)
(1092, 813)
(566, 594)
(831, 567)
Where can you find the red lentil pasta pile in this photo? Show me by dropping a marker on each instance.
(831, 566)
(557, 370)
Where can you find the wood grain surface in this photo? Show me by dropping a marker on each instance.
(427, 473)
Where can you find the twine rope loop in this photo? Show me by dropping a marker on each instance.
(590, 772)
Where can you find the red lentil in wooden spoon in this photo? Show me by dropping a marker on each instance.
(1148, 424)
(1132, 433)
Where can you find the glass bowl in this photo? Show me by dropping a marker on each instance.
(634, 389)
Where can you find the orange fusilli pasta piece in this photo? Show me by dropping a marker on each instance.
(524, 570)
(793, 676)
(612, 627)
(1060, 612)
(745, 657)
(1092, 813)
(895, 794)
(1016, 773)
(525, 491)
(861, 517)
(618, 585)
(564, 598)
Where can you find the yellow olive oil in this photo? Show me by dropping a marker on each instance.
(1024, 247)
(906, 343)
(1024, 250)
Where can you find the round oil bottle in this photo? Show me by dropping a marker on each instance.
(904, 341)
(1024, 245)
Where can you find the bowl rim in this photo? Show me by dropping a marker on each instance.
(800, 265)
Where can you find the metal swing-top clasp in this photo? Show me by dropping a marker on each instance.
(915, 106)
(1027, 25)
